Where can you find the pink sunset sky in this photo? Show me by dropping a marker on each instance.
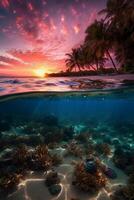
(37, 34)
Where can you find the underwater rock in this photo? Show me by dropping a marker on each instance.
(54, 189)
(51, 120)
(110, 173)
(90, 166)
(116, 142)
(52, 178)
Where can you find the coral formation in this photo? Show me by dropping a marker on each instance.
(124, 193)
(42, 158)
(10, 181)
(88, 182)
(103, 148)
(74, 149)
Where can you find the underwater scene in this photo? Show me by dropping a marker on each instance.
(67, 145)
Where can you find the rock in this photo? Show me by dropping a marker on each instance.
(90, 166)
(54, 189)
(52, 178)
(116, 141)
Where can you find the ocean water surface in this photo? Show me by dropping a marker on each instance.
(91, 130)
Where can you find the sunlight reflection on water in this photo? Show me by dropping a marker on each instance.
(20, 85)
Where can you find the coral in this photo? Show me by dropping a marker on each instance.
(86, 181)
(10, 181)
(21, 156)
(52, 178)
(124, 193)
(74, 149)
(124, 159)
(103, 148)
(56, 159)
(42, 158)
(83, 137)
(131, 179)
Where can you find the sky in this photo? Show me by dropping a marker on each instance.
(35, 35)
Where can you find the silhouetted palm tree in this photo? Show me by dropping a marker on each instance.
(119, 14)
(75, 60)
(98, 39)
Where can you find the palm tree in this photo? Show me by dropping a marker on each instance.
(119, 14)
(98, 39)
(75, 60)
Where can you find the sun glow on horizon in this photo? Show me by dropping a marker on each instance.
(40, 72)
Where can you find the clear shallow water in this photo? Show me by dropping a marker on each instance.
(19, 85)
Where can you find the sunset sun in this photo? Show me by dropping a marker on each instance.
(40, 72)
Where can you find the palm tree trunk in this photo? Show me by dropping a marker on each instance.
(110, 57)
(97, 67)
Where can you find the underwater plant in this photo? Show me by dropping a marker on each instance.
(56, 159)
(74, 149)
(103, 148)
(42, 158)
(21, 156)
(83, 137)
(86, 181)
(124, 193)
(124, 159)
(10, 181)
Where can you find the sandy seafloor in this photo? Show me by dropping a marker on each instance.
(33, 187)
